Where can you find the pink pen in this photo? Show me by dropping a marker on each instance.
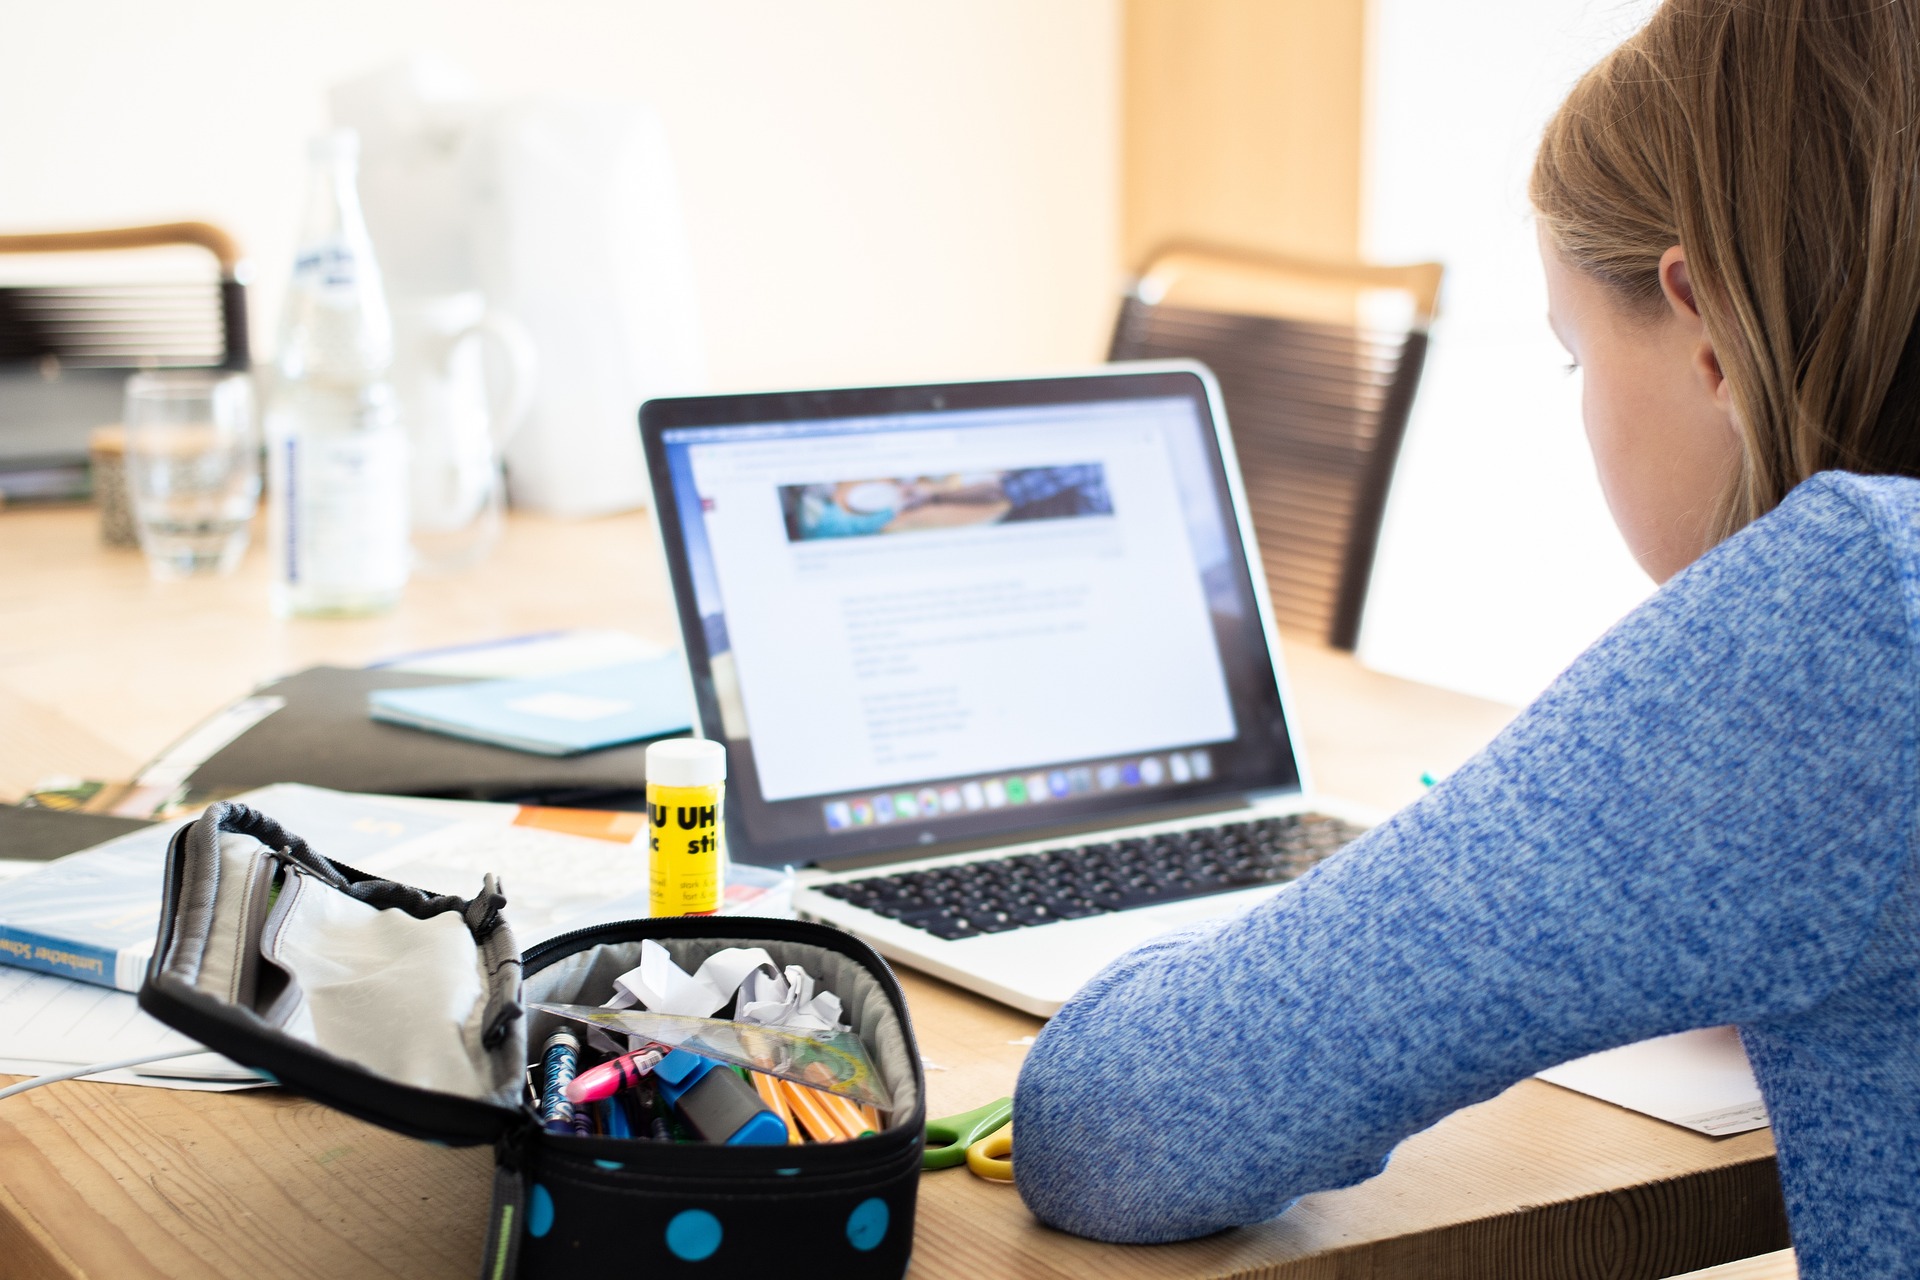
(611, 1077)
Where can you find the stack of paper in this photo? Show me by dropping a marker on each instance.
(93, 915)
(49, 1024)
(73, 929)
(1697, 1079)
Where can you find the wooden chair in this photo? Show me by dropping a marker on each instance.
(1317, 363)
(66, 348)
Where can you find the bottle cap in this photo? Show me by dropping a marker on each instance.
(686, 762)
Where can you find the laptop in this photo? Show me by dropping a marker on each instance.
(992, 661)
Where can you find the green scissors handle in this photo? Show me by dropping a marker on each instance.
(949, 1137)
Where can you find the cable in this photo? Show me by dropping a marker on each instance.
(98, 1068)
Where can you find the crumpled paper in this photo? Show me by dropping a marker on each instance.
(768, 996)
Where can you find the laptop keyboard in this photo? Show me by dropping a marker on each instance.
(999, 894)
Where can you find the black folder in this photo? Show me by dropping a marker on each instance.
(324, 737)
(29, 833)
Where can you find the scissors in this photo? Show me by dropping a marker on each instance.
(982, 1139)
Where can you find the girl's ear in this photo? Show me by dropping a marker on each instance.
(1676, 283)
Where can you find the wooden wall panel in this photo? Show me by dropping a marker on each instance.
(1242, 124)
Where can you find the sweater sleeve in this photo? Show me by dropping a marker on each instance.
(1697, 824)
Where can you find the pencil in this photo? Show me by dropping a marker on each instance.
(850, 1117)
(820, 1123)
(846, 1115)
(769, 1090)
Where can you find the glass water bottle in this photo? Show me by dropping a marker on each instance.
(336, 451)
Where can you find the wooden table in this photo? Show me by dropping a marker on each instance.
(101, 668)
(1769, 1266)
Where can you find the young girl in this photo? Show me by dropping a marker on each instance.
(1711, 817)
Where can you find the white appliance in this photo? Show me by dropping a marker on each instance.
(566, 216)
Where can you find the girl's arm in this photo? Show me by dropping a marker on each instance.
(1697, 824)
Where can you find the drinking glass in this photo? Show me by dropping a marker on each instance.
(193, 468)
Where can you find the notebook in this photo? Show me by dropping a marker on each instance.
(992, 660)
(557, 715)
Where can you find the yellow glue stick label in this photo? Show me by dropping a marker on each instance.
(683, 835)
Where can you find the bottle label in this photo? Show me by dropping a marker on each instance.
(343, 510)
(685, 850)
(331, 266)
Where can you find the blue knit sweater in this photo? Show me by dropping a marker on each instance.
(1709, 818)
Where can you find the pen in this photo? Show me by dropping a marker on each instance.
(559, 1060)
(612, 1118)
(649, 1112)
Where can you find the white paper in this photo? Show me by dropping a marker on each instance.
(788, 1000)
(178, 762)
(768, 996)
(554, 882)
(1698, 1079)
(49, 1023)
(137, 1075)
(661, 986)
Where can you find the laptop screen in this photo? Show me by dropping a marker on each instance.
(932, 615)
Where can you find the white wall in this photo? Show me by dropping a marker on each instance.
(875, 190)
(1499, 562)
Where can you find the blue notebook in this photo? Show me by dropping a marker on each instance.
(554, 715)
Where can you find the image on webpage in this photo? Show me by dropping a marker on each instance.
(910, 504)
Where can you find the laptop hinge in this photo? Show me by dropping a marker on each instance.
(1273, 793)
(1108, 822)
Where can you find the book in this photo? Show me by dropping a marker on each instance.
(558, 715)
(93, 915)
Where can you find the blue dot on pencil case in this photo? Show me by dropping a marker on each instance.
(610, 1164)
(693, 1235)
(539, 1211)
(867, 1224)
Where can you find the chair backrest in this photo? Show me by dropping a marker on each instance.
(1317, 363)
(160, 323)
(71, 329)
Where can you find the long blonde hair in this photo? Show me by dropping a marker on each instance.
(1777, 142)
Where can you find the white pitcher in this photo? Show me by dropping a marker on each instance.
(465, 376)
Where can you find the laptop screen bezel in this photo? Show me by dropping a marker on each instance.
(909, 840)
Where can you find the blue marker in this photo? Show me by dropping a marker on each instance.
(715, 1103)
(560, 1061)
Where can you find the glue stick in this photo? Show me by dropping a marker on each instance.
(685, 778)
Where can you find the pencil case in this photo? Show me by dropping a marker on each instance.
(415, 1011)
